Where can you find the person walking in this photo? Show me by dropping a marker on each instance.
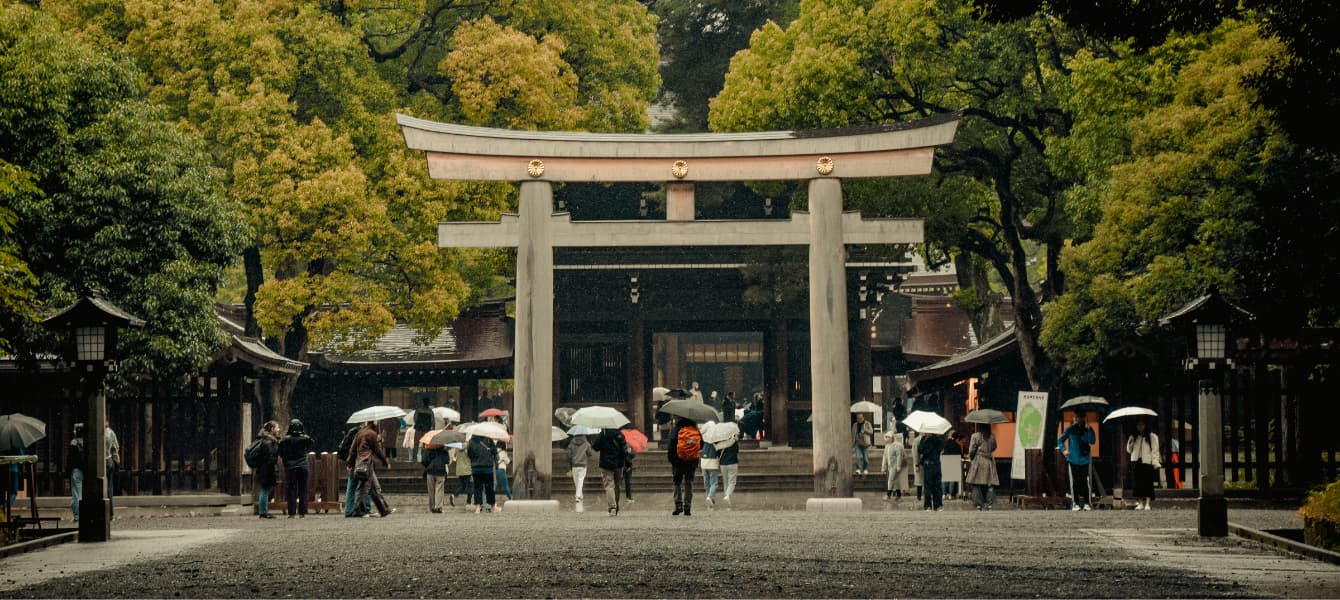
(266, 473)
(709, 460)
(435, 462)
(928, 452)
(982, 474)
(730, 469)
(862, 437)
(483, 454)
(500, 473)
(76, 460)
(1146, 460)
(113, 460)
(892, 463)
(350, 484)
(579, 450)
(610, 444)
(1076, 444)
(293, 451)
(367, 446)
(686, 444)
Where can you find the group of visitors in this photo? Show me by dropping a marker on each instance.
(78, 463)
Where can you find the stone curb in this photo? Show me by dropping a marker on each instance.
(1285, 544)
(833, 505)
(38, 544)
(531, 505)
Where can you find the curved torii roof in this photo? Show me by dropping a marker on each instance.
(463, 152)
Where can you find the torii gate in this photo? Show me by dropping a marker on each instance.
(536, 159)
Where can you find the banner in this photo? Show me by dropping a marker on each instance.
(1029, 426)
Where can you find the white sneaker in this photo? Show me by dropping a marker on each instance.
(1075, 508)
(1087, 507)
(711, 504)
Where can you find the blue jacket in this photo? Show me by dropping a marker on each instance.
(1079, 444)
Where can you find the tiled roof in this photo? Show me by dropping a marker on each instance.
(480, 337)
(993, 349)
(936, 329)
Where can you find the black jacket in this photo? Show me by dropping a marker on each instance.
(929, 449)
(483, 454)
(435, 461)
(266, 474)
(75, 457)
(610, 445)
(423, 420)
(293, 450)
(730, 455)
(673, 454)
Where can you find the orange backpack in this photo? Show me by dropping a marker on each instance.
(689, 443)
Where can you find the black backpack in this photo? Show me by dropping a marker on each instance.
(347, 443)
(255, 454)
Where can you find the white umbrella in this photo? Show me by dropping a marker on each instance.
(556, 434)
(1130, 411)
(599, 416)
(922, 421)
(718, 434)
(1085, 403)
(447, 414)
(865, 406)
(376, 413)
(658, 393)
(583, 430)
(489, 429)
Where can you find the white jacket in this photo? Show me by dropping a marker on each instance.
(1142, 451)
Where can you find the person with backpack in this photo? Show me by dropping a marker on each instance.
(579, 450)
(261, 457)
(367, 446)
(293, 451)
(76, 461)
(684, 453)
(1075, 445)
(709, 460)
(611, 445)
(483, 455)
(729, 458)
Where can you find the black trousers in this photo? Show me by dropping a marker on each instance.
(484, 489)
(683, 472)
(295, 490)
(931, 483)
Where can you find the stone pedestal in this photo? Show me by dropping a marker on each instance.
(833, 505)
(530, 506)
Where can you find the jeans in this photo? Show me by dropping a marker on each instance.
(578, 479)
(610, 479)
(934, 488)
(728, 475)
(76, 491)
(710, 478)
(983, 496)
(484, 489)
(950, 488)
(862, 458)
(464, 486)
(683, 474)
(504, 486)
(295, 491)
(263, 502)
(370, 488)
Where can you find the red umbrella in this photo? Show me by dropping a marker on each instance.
(493, 412)
(636, 439)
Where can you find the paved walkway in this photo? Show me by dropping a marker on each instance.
(647, 553)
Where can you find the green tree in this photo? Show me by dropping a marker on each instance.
(855, 62)
(1188, 167)
(110, 196)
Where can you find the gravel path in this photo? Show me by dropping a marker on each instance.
(741, 553)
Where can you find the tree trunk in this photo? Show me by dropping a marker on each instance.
(255, 271)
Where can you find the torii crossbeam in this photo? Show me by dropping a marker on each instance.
(535, 159)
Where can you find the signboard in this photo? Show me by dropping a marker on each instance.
(1030, 419)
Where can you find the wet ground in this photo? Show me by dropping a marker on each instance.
(880, 552)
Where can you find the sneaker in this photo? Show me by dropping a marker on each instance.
(477, 509)
(1087, 507)
(687, 512)
(267, 516)
(711, 504)
(614, 512)
(388, 513)
(628, 500)
(497, 508)
(941, 509)
(1075, 508)
(887, 498)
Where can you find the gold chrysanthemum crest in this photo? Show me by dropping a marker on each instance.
(824, 166)
(679, 169)
(535, 168)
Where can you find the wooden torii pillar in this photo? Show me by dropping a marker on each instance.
(537, 159)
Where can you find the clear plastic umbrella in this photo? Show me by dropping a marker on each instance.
(719, 434)
(448, 414)
(583, 430)
(376, 413)
(922, 421)
(603, 417)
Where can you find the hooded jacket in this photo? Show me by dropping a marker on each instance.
(294, 447)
